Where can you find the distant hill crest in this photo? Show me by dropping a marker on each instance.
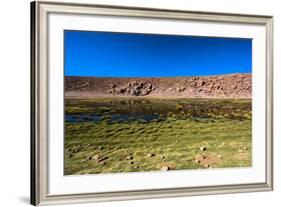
(216, 86)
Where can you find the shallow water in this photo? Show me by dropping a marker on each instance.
(147, 110)
(112, 117)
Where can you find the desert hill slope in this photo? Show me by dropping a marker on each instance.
(221, 86)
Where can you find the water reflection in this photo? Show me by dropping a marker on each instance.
(146, 110)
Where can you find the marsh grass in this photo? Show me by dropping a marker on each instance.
(174, 140)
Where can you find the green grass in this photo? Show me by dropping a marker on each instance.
(175, 140)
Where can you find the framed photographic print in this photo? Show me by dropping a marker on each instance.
(133, 103)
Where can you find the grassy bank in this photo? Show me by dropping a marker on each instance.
(188, 134)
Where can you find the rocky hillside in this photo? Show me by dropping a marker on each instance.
(223, 86)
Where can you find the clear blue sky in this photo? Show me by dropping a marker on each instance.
(107, 54)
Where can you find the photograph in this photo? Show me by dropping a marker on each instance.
(139, 102)
(132, 103)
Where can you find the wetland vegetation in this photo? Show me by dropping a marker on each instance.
(109, 135)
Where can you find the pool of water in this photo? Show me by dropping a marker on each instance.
(111, 117)
(124, 110)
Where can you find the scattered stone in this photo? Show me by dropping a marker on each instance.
(95, 157)
(136, 167)
(132, 162)
(150, 155)
(207, 166)
(129, 158)
(219, 156)
(102, 159)
(240, 150)
(76, 150)
(165, 168)
(101, 147)
(162, 156)
(245, 148)
(202, 148)
(70, 156)
(206, 160)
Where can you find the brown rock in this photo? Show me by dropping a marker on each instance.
(129, 158)
(150, 155)
(165, 168)
(202, 148)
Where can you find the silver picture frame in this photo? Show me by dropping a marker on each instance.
(39, 100)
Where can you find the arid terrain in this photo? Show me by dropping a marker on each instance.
(223, 86)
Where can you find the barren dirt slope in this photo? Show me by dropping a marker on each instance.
(223, 86)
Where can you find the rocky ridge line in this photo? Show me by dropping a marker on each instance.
(223, 86)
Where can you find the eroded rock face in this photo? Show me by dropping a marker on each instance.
(133, 88)
(223, 86)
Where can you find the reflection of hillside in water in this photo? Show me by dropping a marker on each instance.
(146, 110)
